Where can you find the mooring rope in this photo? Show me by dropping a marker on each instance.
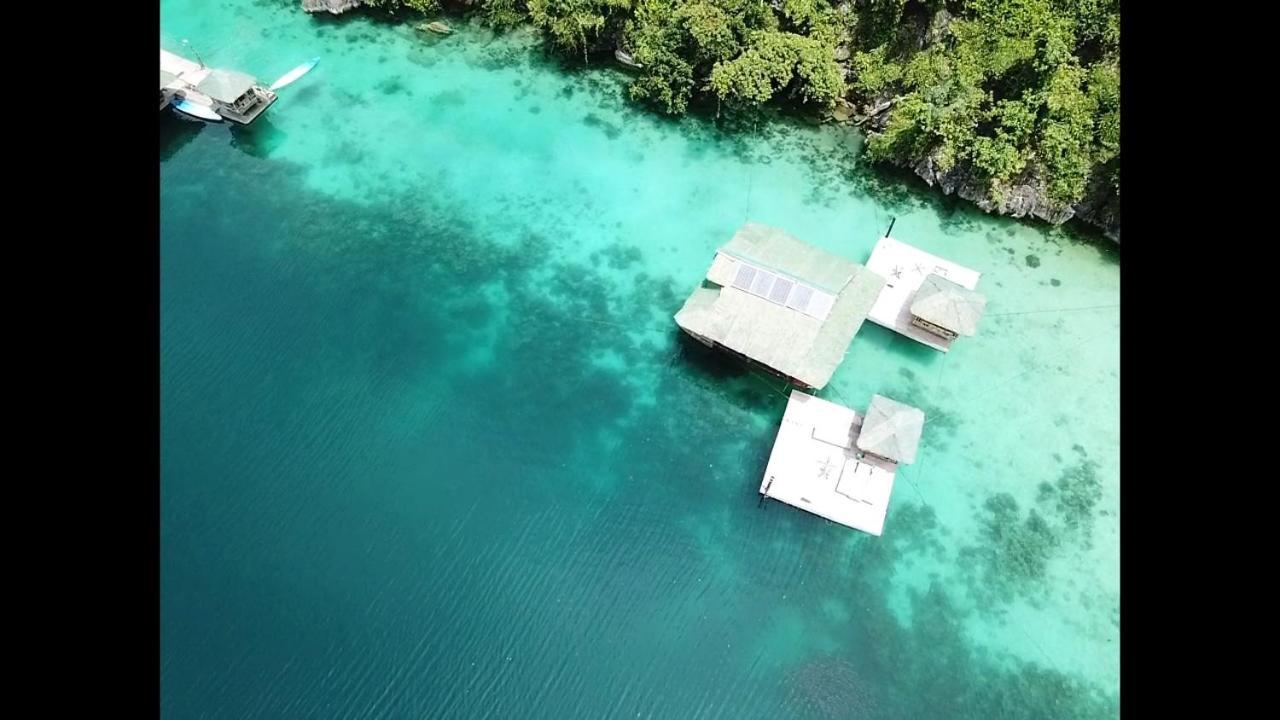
(1055, 310)
(757, 374)
(621, 326)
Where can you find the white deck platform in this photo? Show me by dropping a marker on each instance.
(815, 466)
(189, 73)
(904, 268)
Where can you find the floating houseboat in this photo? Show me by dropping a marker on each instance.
(235, 95)
(232, 95)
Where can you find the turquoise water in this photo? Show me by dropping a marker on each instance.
(432, 446)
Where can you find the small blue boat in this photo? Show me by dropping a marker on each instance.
(204, 112)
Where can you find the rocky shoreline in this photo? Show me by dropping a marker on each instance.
(336, 7)
(1100, 206)
(1027, 196)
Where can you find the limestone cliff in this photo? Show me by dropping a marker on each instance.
(336, 7)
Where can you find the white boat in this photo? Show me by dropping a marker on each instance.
(625, 58)
(204, 112)
(436, 27)
(294, 74)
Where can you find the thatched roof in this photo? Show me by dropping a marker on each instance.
(948, 305)
(891, 430)
(781, 302)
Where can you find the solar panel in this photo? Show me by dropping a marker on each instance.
(799, 299)
(763, 283)
(819, 305)
(783, 291)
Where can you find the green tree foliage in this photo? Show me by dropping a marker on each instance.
(816, 19)
(732, 50)
(667, 82)
(1066, 133)
(573, 24)
(678, 42)
(1104, 90)
(1007, 93)
(872, 73)
(505, 14)
(775, 61)
(1001, 155)
(1009, 90)
(877, 21)
(425, 6)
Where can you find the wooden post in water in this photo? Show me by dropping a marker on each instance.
(764, 493)
(892, 220)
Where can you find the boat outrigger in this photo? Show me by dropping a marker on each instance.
(197, 110)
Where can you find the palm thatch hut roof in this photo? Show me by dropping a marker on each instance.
(782, 303)
(949, 305)
(891, 430)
